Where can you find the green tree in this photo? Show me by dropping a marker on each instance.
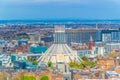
(49, 64)
(84, 58)
(34, 61)
(82, 64)
(44, 78)
(76, 65)
(89, 64)
(112, 54)
(29, 78)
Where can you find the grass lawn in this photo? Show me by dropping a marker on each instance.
(29, 78)
(44, 78)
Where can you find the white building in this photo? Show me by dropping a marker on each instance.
(34, 37)
(5, 60)
(111, 46)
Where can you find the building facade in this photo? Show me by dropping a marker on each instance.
(80, 35)
(105, 63)
(111, 46)
(108, 35)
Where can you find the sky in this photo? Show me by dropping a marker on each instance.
(59, 9)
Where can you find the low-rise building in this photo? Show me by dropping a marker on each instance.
(34, 48)
(85, 74)
(105, 63)
(112, 75)
(5, 60)
(111, 46)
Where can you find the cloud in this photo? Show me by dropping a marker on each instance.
(35, 0)
(29, 1)
(61, 1)
(116, 1)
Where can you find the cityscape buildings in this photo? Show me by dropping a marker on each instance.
(61, 53)
(109, 35)
(80, 35)
(59, 39)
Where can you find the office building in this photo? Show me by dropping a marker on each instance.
(80, 35)
(111, 46)
(108, 35)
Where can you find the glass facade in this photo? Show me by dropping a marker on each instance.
(115, 36)
(109, 35)
(80, 36)
(83, 35)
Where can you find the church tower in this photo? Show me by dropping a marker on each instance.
(91, 43)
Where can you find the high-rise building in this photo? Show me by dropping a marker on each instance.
(108, 35)
(80, 35)
(115, 36)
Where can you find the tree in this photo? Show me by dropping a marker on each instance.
(119, 61)
(82, 64)
(89, 64)
(49, 64)
(76, 65)
(84, 58)
(28, 58)
(71, 64)
(34, 61)
(112, 54)
(29, 78)
(44, 78)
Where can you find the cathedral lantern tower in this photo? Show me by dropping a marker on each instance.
(60, 36)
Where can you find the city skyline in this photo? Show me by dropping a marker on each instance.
(51, 52)
(59, 39)
(59, 9)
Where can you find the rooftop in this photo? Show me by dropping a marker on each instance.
(59, 53)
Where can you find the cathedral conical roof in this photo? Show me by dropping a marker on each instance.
(59, 53)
